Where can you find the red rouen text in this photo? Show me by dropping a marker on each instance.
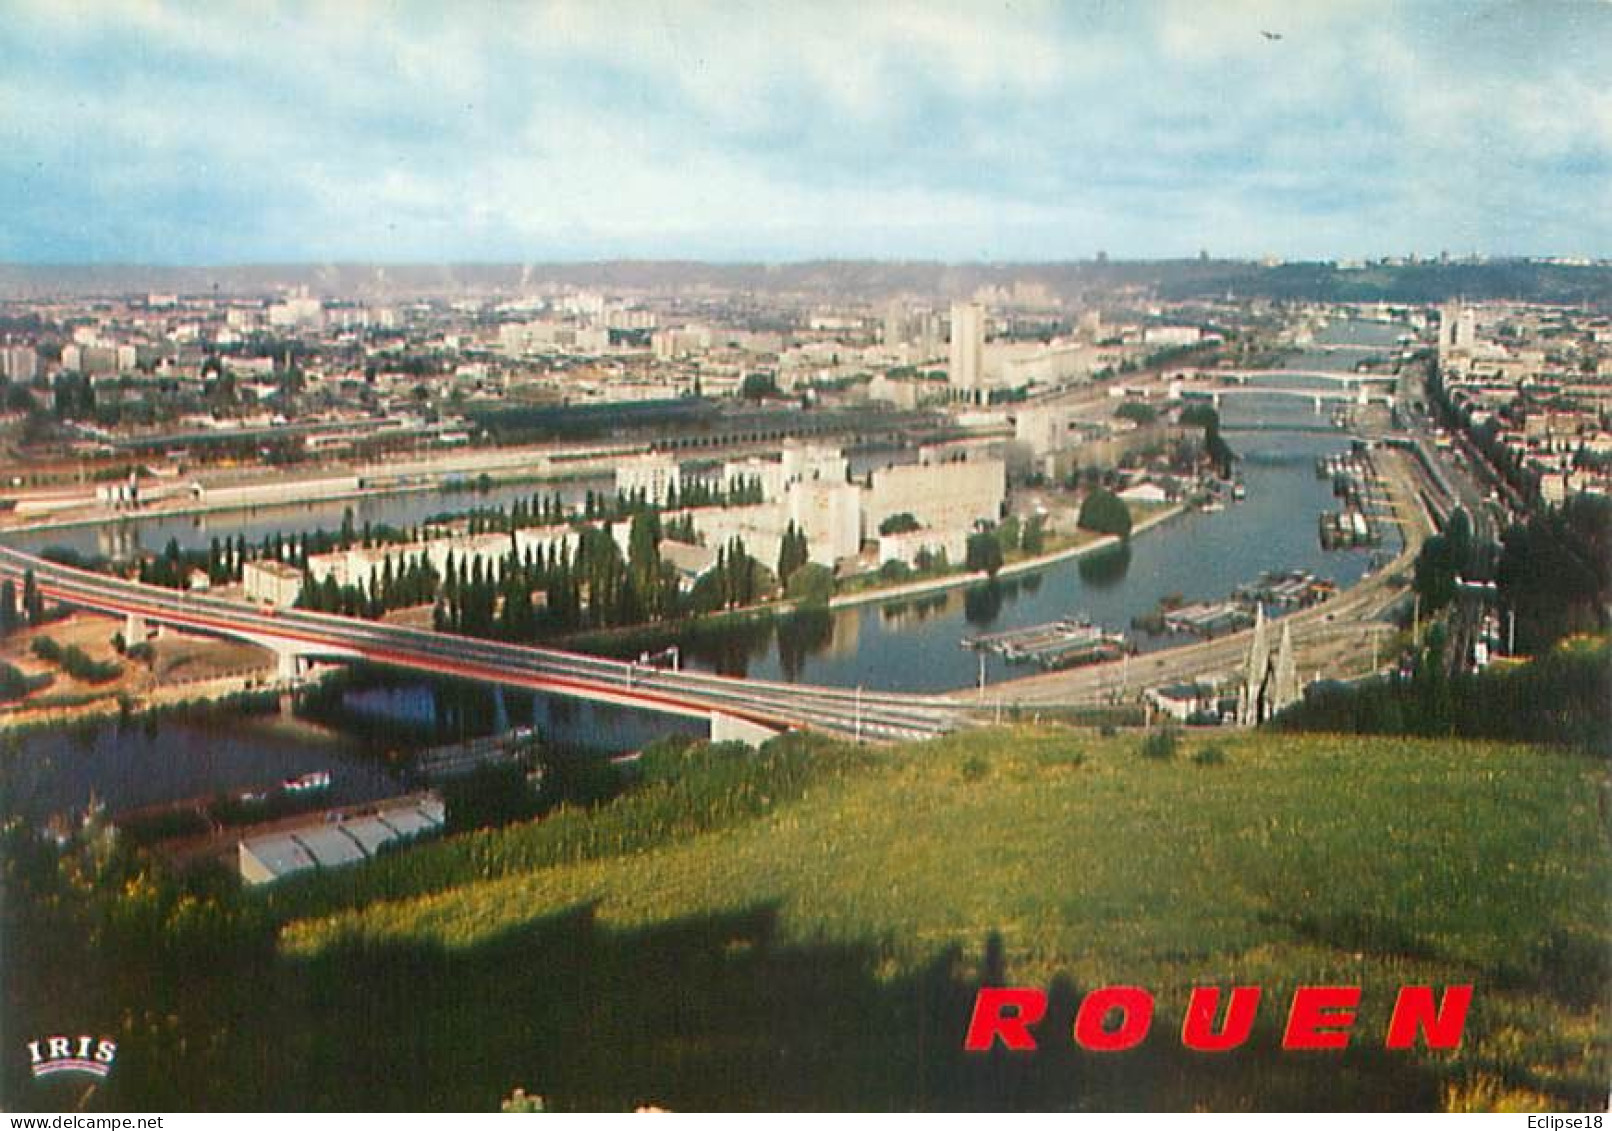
(1116, 1018)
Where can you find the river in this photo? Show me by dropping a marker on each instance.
(908, 645)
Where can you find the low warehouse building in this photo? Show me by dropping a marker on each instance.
(336, 838)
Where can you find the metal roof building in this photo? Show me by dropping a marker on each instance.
(330, 846)
(369, 832)
(267, 858)
(337, 839)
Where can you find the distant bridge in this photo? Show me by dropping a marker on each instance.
(1244, 376)
(748, 709)
(1343, 347)
(1214, 393)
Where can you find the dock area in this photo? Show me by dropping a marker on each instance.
(1059, 644)
(1347, 530)
(1355, 484)
(1208, 618)
(1286, 589)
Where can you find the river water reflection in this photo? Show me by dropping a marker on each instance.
(908, 645)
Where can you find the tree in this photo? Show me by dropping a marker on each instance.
(984, 552)
(487, 796)
(10, 616)
(1444, 557)
(643, 561)
(793, 552)
(13, 684)
(1106, 513)
(1138, 411)
(903, 523)
(1555, 572)
(1009, 533)
(1034, 540)
(928, 560)
(758, 386)
(33, 602)
(810, 585)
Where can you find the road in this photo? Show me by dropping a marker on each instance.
(842, 711)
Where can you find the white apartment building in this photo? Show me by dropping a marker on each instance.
(1014, 365)
(906, 547)
(804, 460)
(364, 566)
(19, 363)
(1045, 429)
(761, 527)
(1172, 336)
(800, 461)
(298, 310)
(829, 513)
(269, 582)
(946, 497)
(768, 472)
(967, 359)
(669, 343)
(548, 540)
(653, 474)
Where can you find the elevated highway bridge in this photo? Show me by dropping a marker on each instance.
(743, 708)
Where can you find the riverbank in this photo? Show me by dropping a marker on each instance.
(1341, 626)
(211, 695)
(652, 635)
(1013, 569)
(160, 513)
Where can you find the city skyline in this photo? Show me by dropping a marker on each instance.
(170, 134)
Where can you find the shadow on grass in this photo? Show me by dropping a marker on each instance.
(714, 1012)
(1357, 931)
(718, 1013)
(1572, 967)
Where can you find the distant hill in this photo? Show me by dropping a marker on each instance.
(1517, 279)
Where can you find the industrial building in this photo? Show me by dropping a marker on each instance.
(332, 840)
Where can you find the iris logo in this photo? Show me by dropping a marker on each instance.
(51, 1055)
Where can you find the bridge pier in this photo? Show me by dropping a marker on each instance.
(135, 630)
(290, 667)
(731, 728)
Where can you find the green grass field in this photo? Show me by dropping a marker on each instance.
(808, 927)
(1038, 858)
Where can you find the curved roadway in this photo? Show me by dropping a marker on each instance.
(867, 715)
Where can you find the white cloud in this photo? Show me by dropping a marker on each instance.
(717, 123)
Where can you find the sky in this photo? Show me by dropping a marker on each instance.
(245, 131)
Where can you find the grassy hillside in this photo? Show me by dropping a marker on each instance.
(1035, 857)
(808, 929)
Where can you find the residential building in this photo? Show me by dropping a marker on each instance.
(967, 359)
(653, 474)
(269, 582)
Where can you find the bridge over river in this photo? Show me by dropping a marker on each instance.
(748, 709)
